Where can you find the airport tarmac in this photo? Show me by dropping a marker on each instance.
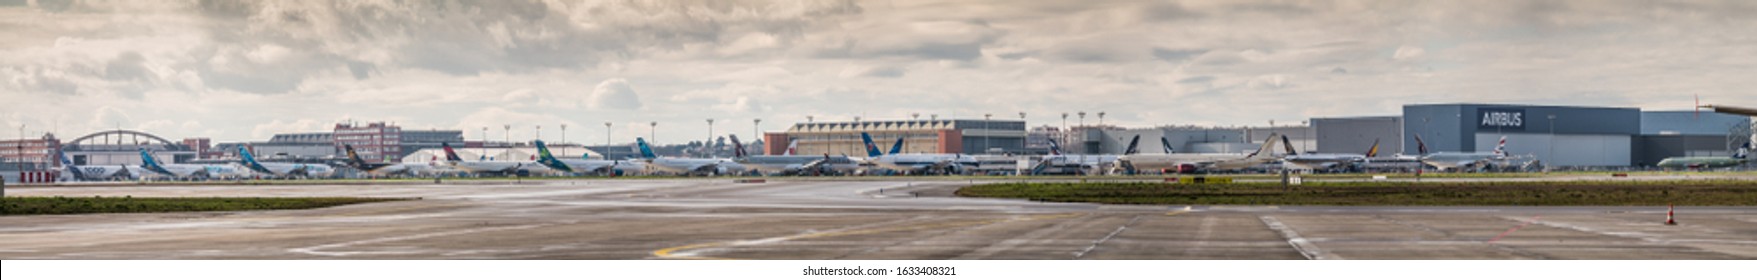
(815, 219)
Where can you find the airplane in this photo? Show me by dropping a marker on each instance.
(387, 169)
(490, 166)
(684, 166)
(1450, 160)
(1080, 164)
(585, 164)
(187, 171)
(93, 172)
(1189, 163)
(1739, 158)
(920, 163)
(283, 170)
(788, 164)
(1325, 161)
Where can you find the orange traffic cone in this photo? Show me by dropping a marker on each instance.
(1668, 215)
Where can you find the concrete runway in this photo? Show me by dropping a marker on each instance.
(719, 219)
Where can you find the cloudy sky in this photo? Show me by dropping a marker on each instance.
(244, 70)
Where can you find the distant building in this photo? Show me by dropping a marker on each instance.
(374, 142)
(30, 154)
(920, 136)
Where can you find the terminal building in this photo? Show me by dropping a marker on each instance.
(920, 136)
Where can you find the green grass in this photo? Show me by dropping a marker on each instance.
(90, 205)
(1570, 193)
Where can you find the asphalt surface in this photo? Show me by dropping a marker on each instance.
(780, 219)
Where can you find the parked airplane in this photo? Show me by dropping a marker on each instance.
(792, 147)
(187, 171)
(795, 165)
(502, 167)
(1451, 160)
(93, 172)
(1076, 164)
(388, 169)
(587, 165)
(923, 163)
(1739, 158)
(283, 170)
(1189, 163)
(1325, 161)
(685, 166)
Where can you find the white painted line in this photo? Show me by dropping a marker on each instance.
(1113, 233)
(319, 249)
(1301, 244)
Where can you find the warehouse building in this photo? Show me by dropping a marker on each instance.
(1554, 135)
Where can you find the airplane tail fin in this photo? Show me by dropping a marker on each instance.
(1501, 148)
(1166, 144)
(1373, 151)
(1421, 148)
(737, 147)
(646, 151)
(1743, 152)
(243, 155)
(67, 164)
(897, 147)
(1268, 145)
(354, 158)
(1055, 149)
(548, 159)
(1134, 146)
(450, 155)
(792, 147)
(1288, 144)
(871, 149)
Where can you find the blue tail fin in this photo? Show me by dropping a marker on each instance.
(249, 160)
(150, 164)
(646, 151)
(67, 164)
(871, 149)
(898, 147)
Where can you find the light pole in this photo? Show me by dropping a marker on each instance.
(484, 141)
(1101, 124)
(539, 132)
(564, 139)
(653, 133)
(986, 118)
(1082, 137)
(1551, 154)
(607, 140)
(709, 144)
(1064, 132)
(506, 136)
(756, 129)
(856, 143)
(914, 116)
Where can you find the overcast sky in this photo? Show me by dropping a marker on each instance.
(244, 70)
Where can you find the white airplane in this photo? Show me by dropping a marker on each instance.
(1188, 163)
(188, 171)
(794, 165)
(1080, 164)
(1325, 161)
(587, 165)
(685, 166)
(94, 172)
(390, 169)
(502, 167)
(1452, 160)
(283, 170)
(916, 163)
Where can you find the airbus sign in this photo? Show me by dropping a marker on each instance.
(1503, 119)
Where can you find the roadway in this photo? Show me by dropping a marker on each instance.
(781, 219)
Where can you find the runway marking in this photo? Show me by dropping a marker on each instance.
(1175, 213)
(682, 252)
(1101, 241)
(318, 250)
(1301, 244)
(1516, 228)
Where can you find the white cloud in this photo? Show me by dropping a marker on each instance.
(1407, 53)
(614, 94)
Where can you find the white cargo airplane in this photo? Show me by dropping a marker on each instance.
(283, 170)
(587, 165)
(94, 172)
(685, 166)
(1453, 160)
(188, 171)
(915, 163)
(1187, 163)
(1325, 161)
